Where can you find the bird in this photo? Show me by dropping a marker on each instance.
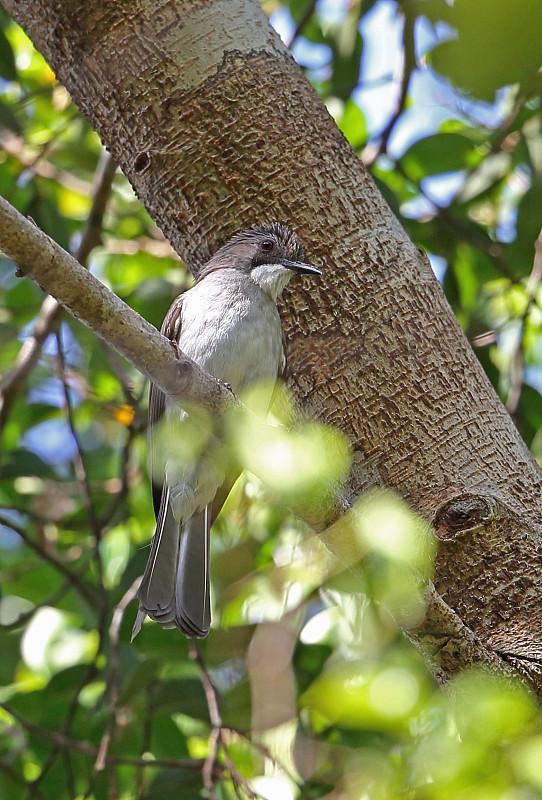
(228, 323)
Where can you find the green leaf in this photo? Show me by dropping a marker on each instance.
(167, 741)
(346, 47)
(352, 124)
(497, 44)
(47, 216)
(145, 674)
(531, 408)
(10, 647)
(23, 462)
(309, 661)
(438, 154)
(68, 679)
(8, 70)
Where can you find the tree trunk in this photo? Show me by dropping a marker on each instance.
(216, 127)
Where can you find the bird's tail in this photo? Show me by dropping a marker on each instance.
(174, 590)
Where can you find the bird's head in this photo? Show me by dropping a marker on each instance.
(270, 254)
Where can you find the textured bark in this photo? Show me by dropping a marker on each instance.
(216, 128)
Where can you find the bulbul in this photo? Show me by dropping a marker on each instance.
(228, 323)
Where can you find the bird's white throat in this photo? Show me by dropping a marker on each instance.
(271, 278)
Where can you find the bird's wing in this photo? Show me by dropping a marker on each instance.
(157, 399)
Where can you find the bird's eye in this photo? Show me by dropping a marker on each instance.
(267, 245)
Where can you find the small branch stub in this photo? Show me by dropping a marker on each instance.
(464, 514)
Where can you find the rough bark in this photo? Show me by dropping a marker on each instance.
(216, 128)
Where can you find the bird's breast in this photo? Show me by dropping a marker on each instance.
(234, 335)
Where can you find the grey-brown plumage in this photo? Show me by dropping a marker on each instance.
(228, 323)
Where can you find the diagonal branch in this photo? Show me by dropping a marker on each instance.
(409, 65)
(86, 748)
(87, 592)
(59, 274)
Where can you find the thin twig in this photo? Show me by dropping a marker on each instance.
(216, 739)
(79, 460)
(114, 679)
(86, 748)
(51, 312)
(408, 67)
(92, 598)
(214, 717)
(305, 17)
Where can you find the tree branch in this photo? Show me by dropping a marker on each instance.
(409, 65)
(86, 748)
(87, 593)
(59, 274)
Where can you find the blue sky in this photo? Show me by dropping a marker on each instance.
(433, 100)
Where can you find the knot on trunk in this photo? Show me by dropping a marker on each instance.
(141, 162)
(463, 514)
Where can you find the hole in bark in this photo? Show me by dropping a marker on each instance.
(463, 514)
(185, 369)
(141, 162)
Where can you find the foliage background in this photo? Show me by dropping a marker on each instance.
(442, 102)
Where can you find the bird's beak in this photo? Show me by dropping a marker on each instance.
(300, 268)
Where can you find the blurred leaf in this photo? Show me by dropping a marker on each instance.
(185, 696)
(145, 675)
(8, 70)
(352, 124)
(10, 644)
(46, 215)
(23, 462)
(441, 153)
(174, 784)
(531, 406)
(10, 787)
(309, 661)
(496, 45)
(167, 740)
(346, 47)
(355, 694)
(235, 705)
